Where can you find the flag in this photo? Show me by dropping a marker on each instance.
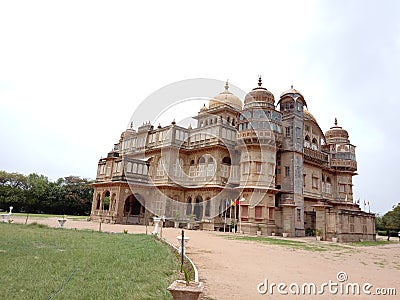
(237, 201)
(228, 203)
(233, 203)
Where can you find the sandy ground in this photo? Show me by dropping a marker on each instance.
(233, 269)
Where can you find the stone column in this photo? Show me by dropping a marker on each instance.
(288, 219)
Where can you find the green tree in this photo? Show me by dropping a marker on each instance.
(13, 187)
(77, 195)
(391, 220)
(37, 194)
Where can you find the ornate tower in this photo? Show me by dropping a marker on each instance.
(291, 156)
(259, 133)
(343, 160)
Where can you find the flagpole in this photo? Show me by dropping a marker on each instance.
(226, 208)
(240, 220)
(240, 216)
(234, 217)
(230, 214)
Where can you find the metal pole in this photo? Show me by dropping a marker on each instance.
(226, 208)
(145, 218)
(182, 245)
(234, 217)
(240, 219)
(230, 216)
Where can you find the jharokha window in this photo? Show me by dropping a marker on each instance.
(244, 212)
(258, 213)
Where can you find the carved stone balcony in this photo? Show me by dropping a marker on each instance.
(315, 156)
(343, 164)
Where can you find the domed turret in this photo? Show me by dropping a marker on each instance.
(309, 116)
(337, 134)
(204, 108)
(260, 96)
(226, 98)
(292, 100)
(291, 92)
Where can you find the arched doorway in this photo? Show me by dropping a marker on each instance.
(198, 208)
(106, 201)
(133, 209)
(189, 207)
(98, 202)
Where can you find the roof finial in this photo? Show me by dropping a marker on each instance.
(259, 80)
(291, 86)
(335, 121)
(226, 86)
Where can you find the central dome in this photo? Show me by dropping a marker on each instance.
(226, 98)
(260, 96)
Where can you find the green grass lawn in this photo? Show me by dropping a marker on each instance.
(310, 246)
(372, 243)
(37, 262)
(317, 246)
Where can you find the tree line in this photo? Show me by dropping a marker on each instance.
(35, 193)
(389, 222)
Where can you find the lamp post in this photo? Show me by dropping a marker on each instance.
(240, 215)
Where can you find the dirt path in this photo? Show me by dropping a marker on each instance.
(232, 269)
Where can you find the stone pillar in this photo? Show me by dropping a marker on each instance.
(288, 219)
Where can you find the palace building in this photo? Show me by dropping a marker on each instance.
(258, 165)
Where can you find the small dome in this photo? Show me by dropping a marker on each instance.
(204, 108)
(291, 91)
(337, 134)
(226, 97)
(309, 116)
(260, 94)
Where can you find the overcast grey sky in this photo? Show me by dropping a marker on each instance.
(73, 72)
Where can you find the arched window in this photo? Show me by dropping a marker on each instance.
(226, 160)
(328, 185)
(307, 143)
(314, 145)
(210, 167)
(202, 160)
(208, 208)
(129, 167)
(178, 167)
(161, 167)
